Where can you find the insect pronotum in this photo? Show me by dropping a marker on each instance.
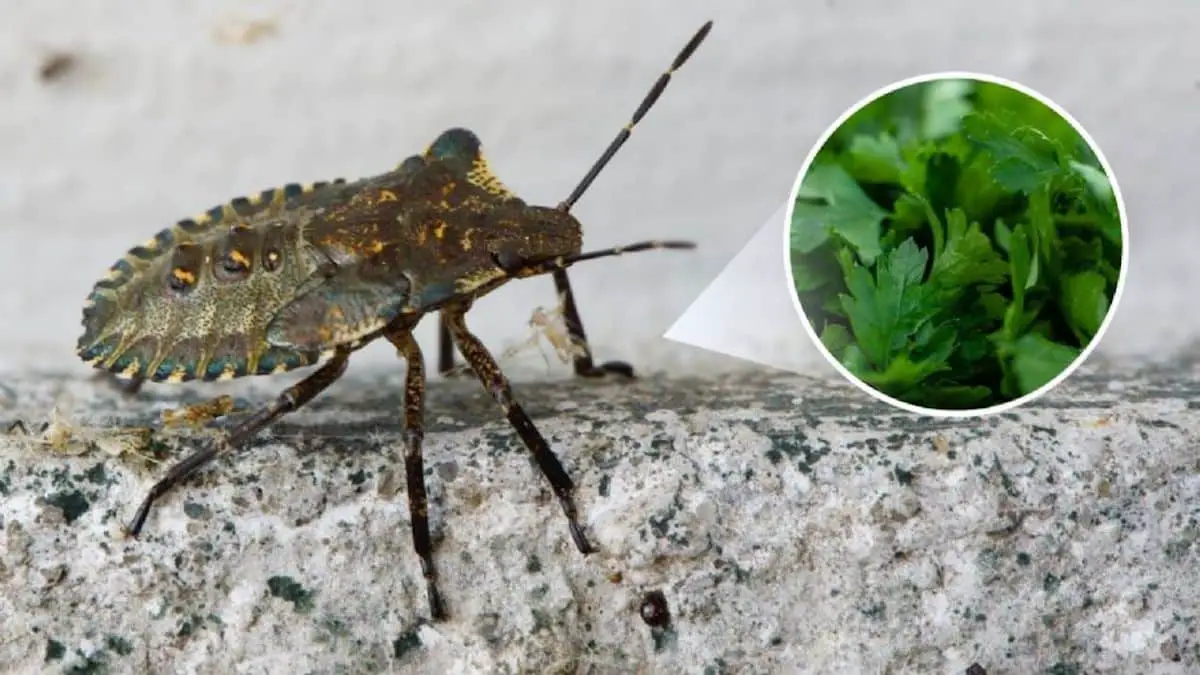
(303, 275)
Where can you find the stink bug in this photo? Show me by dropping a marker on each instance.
(301, 275)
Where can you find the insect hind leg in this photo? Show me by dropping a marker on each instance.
(290, 400)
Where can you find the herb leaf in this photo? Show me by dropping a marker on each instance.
(958, 244)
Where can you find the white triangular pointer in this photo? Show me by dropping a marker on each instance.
(748, 312)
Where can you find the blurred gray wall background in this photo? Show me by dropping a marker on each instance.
(161, 120)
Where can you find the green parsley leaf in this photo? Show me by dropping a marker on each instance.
(1038, 360)
(887, 307)
(830, 201)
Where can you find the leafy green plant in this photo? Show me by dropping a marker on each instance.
(956, 244)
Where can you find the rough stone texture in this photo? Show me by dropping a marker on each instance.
(793, 526)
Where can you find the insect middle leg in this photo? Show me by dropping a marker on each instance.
(292, 398)
(414, 463)
(496, 384)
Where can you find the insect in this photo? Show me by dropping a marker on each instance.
(304, 275)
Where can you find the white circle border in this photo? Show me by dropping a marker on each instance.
(1122, 275)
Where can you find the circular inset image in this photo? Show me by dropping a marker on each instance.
(956, 244)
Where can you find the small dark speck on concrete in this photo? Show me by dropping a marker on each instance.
(605, 482)
(447, 471)
(488, 627)
(1023, 559)
(541, 620)
(407, 642)
(533, 565)
(903, 476)
(119, 645)
(96, 475)
(358, 477)
(73, 504)
(54, 650)
(1051, 583)
(976, 669)
(287, 588)
(196, 511)
(96, 664)
(654, 610)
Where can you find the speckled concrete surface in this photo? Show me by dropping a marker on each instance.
(793, 526)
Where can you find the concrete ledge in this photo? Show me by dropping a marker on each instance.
(793, 525)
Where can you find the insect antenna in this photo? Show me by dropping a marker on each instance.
(648, 102)
(583, 360)
(533, 267)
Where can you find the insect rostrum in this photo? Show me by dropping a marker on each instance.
(304, 275)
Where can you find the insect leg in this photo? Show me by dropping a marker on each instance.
(496, 384)
(445, 349)
(414, 463)
(292, 398)
(584, 366)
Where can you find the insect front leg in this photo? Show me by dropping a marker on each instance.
(583, 363)
(496, 384)
(584, 366)
(414, 463)
(292, 398)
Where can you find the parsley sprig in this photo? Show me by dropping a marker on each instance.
(956, 244)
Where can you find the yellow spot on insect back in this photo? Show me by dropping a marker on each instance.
(387, 196)
(184, 276)
(239, 258)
